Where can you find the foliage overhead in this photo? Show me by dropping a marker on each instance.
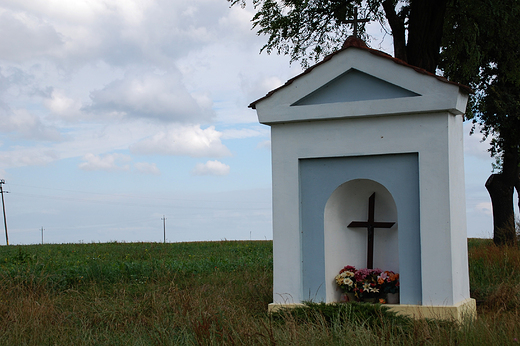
(482, 49)
(306, 30)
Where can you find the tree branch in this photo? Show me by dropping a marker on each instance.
(425, 27)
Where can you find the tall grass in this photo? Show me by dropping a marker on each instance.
(494, 276)
(217, 294)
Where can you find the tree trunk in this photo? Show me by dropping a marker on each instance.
(425, 33)
(501, 187)
(398, 30)
(501, 193)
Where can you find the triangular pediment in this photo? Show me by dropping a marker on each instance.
(354, 85)
(357, 82)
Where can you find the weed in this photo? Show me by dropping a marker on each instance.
(217, 293)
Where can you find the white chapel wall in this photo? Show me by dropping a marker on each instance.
(425, 134)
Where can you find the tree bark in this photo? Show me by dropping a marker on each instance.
(398, 30)
(501, 194)
(425, 26)
(500, 188)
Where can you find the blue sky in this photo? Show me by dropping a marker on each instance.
(115, 113)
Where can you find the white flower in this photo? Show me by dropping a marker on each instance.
(348, 274)
(347, 282)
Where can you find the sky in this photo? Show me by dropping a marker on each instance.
(117, 114)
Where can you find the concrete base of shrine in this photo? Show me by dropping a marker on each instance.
(458, 312)
(467, 309)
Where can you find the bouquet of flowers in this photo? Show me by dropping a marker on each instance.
(345, 279)
(367, 283)
(389, 281)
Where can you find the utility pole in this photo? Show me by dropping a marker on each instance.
(164, 228)
(42, 235)
(2, 181)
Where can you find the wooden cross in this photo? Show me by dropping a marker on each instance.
(356, 20)
(370, 224)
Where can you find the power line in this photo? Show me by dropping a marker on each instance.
(129, 204)
(126, 195)
(2, 181)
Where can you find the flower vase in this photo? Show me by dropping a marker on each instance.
(348, 297)
(392, 298)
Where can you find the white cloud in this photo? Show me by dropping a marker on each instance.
(118, 32)
(264, 144)
(211, 168)
(108, 162)
(63, 107)
(27, 125)
(88, 29)
(236, 18)
(147, 168)
(26, 36)
(473, 144)
(184, 140)
(270, 83)
(33, 156)
(74, 11)
(258, 86)
(245, 133)
(154, 96)
(484, 208)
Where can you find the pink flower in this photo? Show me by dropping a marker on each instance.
(362, 274)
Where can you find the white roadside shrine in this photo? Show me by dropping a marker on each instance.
(361, 122)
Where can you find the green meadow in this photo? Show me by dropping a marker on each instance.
(217, 293)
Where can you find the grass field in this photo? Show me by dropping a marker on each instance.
(217, 293)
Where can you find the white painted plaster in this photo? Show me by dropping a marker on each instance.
(458, 201)
(429, 125)
(435, 95)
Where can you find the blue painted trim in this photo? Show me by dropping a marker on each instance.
(318, 178)
(354, 85)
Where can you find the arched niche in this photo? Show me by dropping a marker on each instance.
(319, 178)
(348, 246)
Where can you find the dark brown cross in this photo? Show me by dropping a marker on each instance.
(370, 225)
(356, 20)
